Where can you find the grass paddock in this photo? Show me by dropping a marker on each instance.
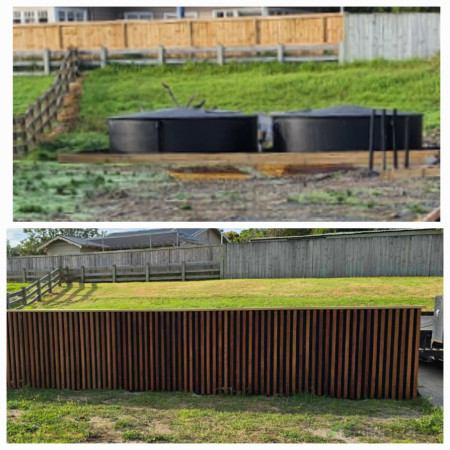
(247, 293)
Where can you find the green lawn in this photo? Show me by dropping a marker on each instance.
(58, 416)
(27, 89)
(253, 293)
(13, 287)
(258, 87)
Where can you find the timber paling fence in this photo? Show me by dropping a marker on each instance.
(33, 292)
(352, 353)
(406, 253)
(231, 32)
(40, 116)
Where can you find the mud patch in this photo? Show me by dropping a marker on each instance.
(103, 431)
(208, 173)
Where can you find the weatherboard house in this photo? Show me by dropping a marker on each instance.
(139, 239)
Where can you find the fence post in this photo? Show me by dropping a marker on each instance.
(147, 272)
(183, 271)
(103, 57)
(59, 276)
(24, 295)
(38, 288)
(7, 300)
(280, 53)
(24, 275)
(221, 269)
(50, 282)
(220, 57)
(67, 274)
(82, 274)
(114, 273)
(161, 55)
(47, 59)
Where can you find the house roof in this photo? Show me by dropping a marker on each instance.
(144, 238)
(79, 242)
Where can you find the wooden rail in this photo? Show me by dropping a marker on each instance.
(40, 116)
(352, 353)
(40, 62)
(183, 271)
(33, 292)
(264, 161)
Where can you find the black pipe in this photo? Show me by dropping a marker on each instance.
(394, 137)
(406, 142)
(383, 138)
(371, 138)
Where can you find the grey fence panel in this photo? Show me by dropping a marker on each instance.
(160, 256)
(390, 36)
(404, 254)
(407, 255)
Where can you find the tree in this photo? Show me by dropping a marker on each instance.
(232, 236)
(252, 233)
(10, 250)
(39, 236)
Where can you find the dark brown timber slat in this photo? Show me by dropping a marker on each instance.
(346, 352)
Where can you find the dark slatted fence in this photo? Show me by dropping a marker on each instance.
(346, 353)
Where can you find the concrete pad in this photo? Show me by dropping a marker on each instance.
(431, 382)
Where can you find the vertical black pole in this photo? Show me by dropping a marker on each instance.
(383, 138)
(394, 137)
(406, 142)
(371, 138)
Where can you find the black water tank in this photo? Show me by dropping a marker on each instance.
(183, 130)
(340, 128)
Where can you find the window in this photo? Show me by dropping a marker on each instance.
(138, 15)
(220, 13)
(28, 17)
(187, 15)
(42, 16)
(71, 15)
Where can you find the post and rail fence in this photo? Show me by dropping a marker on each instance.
(183, 271)
(41, 115)
(35, 291)
(354, 353)
(42, 62)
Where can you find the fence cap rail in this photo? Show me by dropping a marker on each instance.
(310, 308)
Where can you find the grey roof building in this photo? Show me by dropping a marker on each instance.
(136, 239)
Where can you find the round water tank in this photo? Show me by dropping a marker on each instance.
(342, 128)
(183, 130)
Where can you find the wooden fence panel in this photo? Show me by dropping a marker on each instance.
(157, 256)
(352, 353)
(404, 254)
(390, 36)
(232, 32)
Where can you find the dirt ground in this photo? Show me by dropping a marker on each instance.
(113, 192)
(341, 196)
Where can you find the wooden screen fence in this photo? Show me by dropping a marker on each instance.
(230, 32)
(41, 115)
(352, 353)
